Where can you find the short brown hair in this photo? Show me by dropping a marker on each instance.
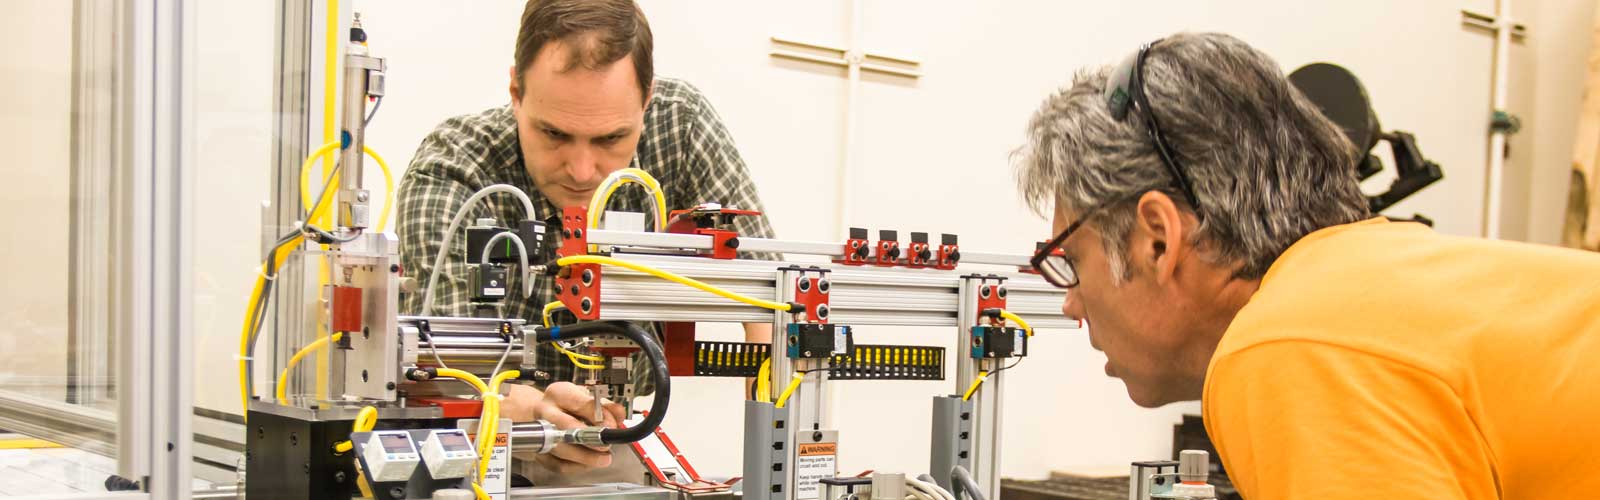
(600, 32)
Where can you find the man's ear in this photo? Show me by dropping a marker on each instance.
(649, 93)
(515, 88)
(1158, 225)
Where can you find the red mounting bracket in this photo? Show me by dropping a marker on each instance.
(577, 285)
(888, 251)
(991, 292)
(812, 291)
(712, 220)
(949, 253)
(856, 248)
(917, 253)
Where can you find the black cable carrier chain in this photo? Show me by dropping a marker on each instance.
(869, 362)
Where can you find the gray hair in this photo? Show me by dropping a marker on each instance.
(1267, 167)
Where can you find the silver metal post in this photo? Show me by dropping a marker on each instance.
(986, 404)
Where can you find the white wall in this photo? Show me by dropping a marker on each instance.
(934, 152)
(1561, 40)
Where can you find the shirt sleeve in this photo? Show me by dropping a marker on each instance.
(719, 172)
(433, 188)
(1299, 419)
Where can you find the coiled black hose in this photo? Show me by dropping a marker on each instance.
(658, 370)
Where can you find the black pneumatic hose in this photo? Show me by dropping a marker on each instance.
(658, 371)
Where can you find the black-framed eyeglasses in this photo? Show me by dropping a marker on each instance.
(1058, 269)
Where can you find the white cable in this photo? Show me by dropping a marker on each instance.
(916, 494)
(930, 488)
(455, 223)
(522, 254)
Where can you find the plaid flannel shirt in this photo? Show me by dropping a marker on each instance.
(684, 145)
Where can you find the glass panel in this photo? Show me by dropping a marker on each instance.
(57, 349)
(233, 103)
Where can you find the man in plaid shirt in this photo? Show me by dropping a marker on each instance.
(584, 103)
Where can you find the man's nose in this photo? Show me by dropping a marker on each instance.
(1072, 307)
(581, 165)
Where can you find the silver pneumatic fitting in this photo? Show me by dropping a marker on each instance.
(587, 436)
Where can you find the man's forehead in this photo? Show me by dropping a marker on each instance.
(1062, 216)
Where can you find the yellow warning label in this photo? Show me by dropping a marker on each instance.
(808, 450)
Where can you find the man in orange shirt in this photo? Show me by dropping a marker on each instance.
(1214, 238)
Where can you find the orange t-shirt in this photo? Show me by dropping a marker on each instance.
(1382, 360)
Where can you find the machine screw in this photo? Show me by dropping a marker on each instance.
(394, 268)
(574, 289)
(588, 277)
(366, 332)
(1001, 291)
(963, 454)
(585, 305)
(566, 233)
(294, 439)
(390, 386)
(732, 243)
(261, 432)
(984, 292)
(823, 286)
(807, 354)
(363, 375)
(816, 436)
(805, 285)
(577, 233)
(307, 467)
(966, 415)
(362, 196)
(338, 476)
(822, 311)
(397, 492)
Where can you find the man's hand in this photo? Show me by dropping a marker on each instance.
(566, 406)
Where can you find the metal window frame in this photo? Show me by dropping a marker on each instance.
(156, 399)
